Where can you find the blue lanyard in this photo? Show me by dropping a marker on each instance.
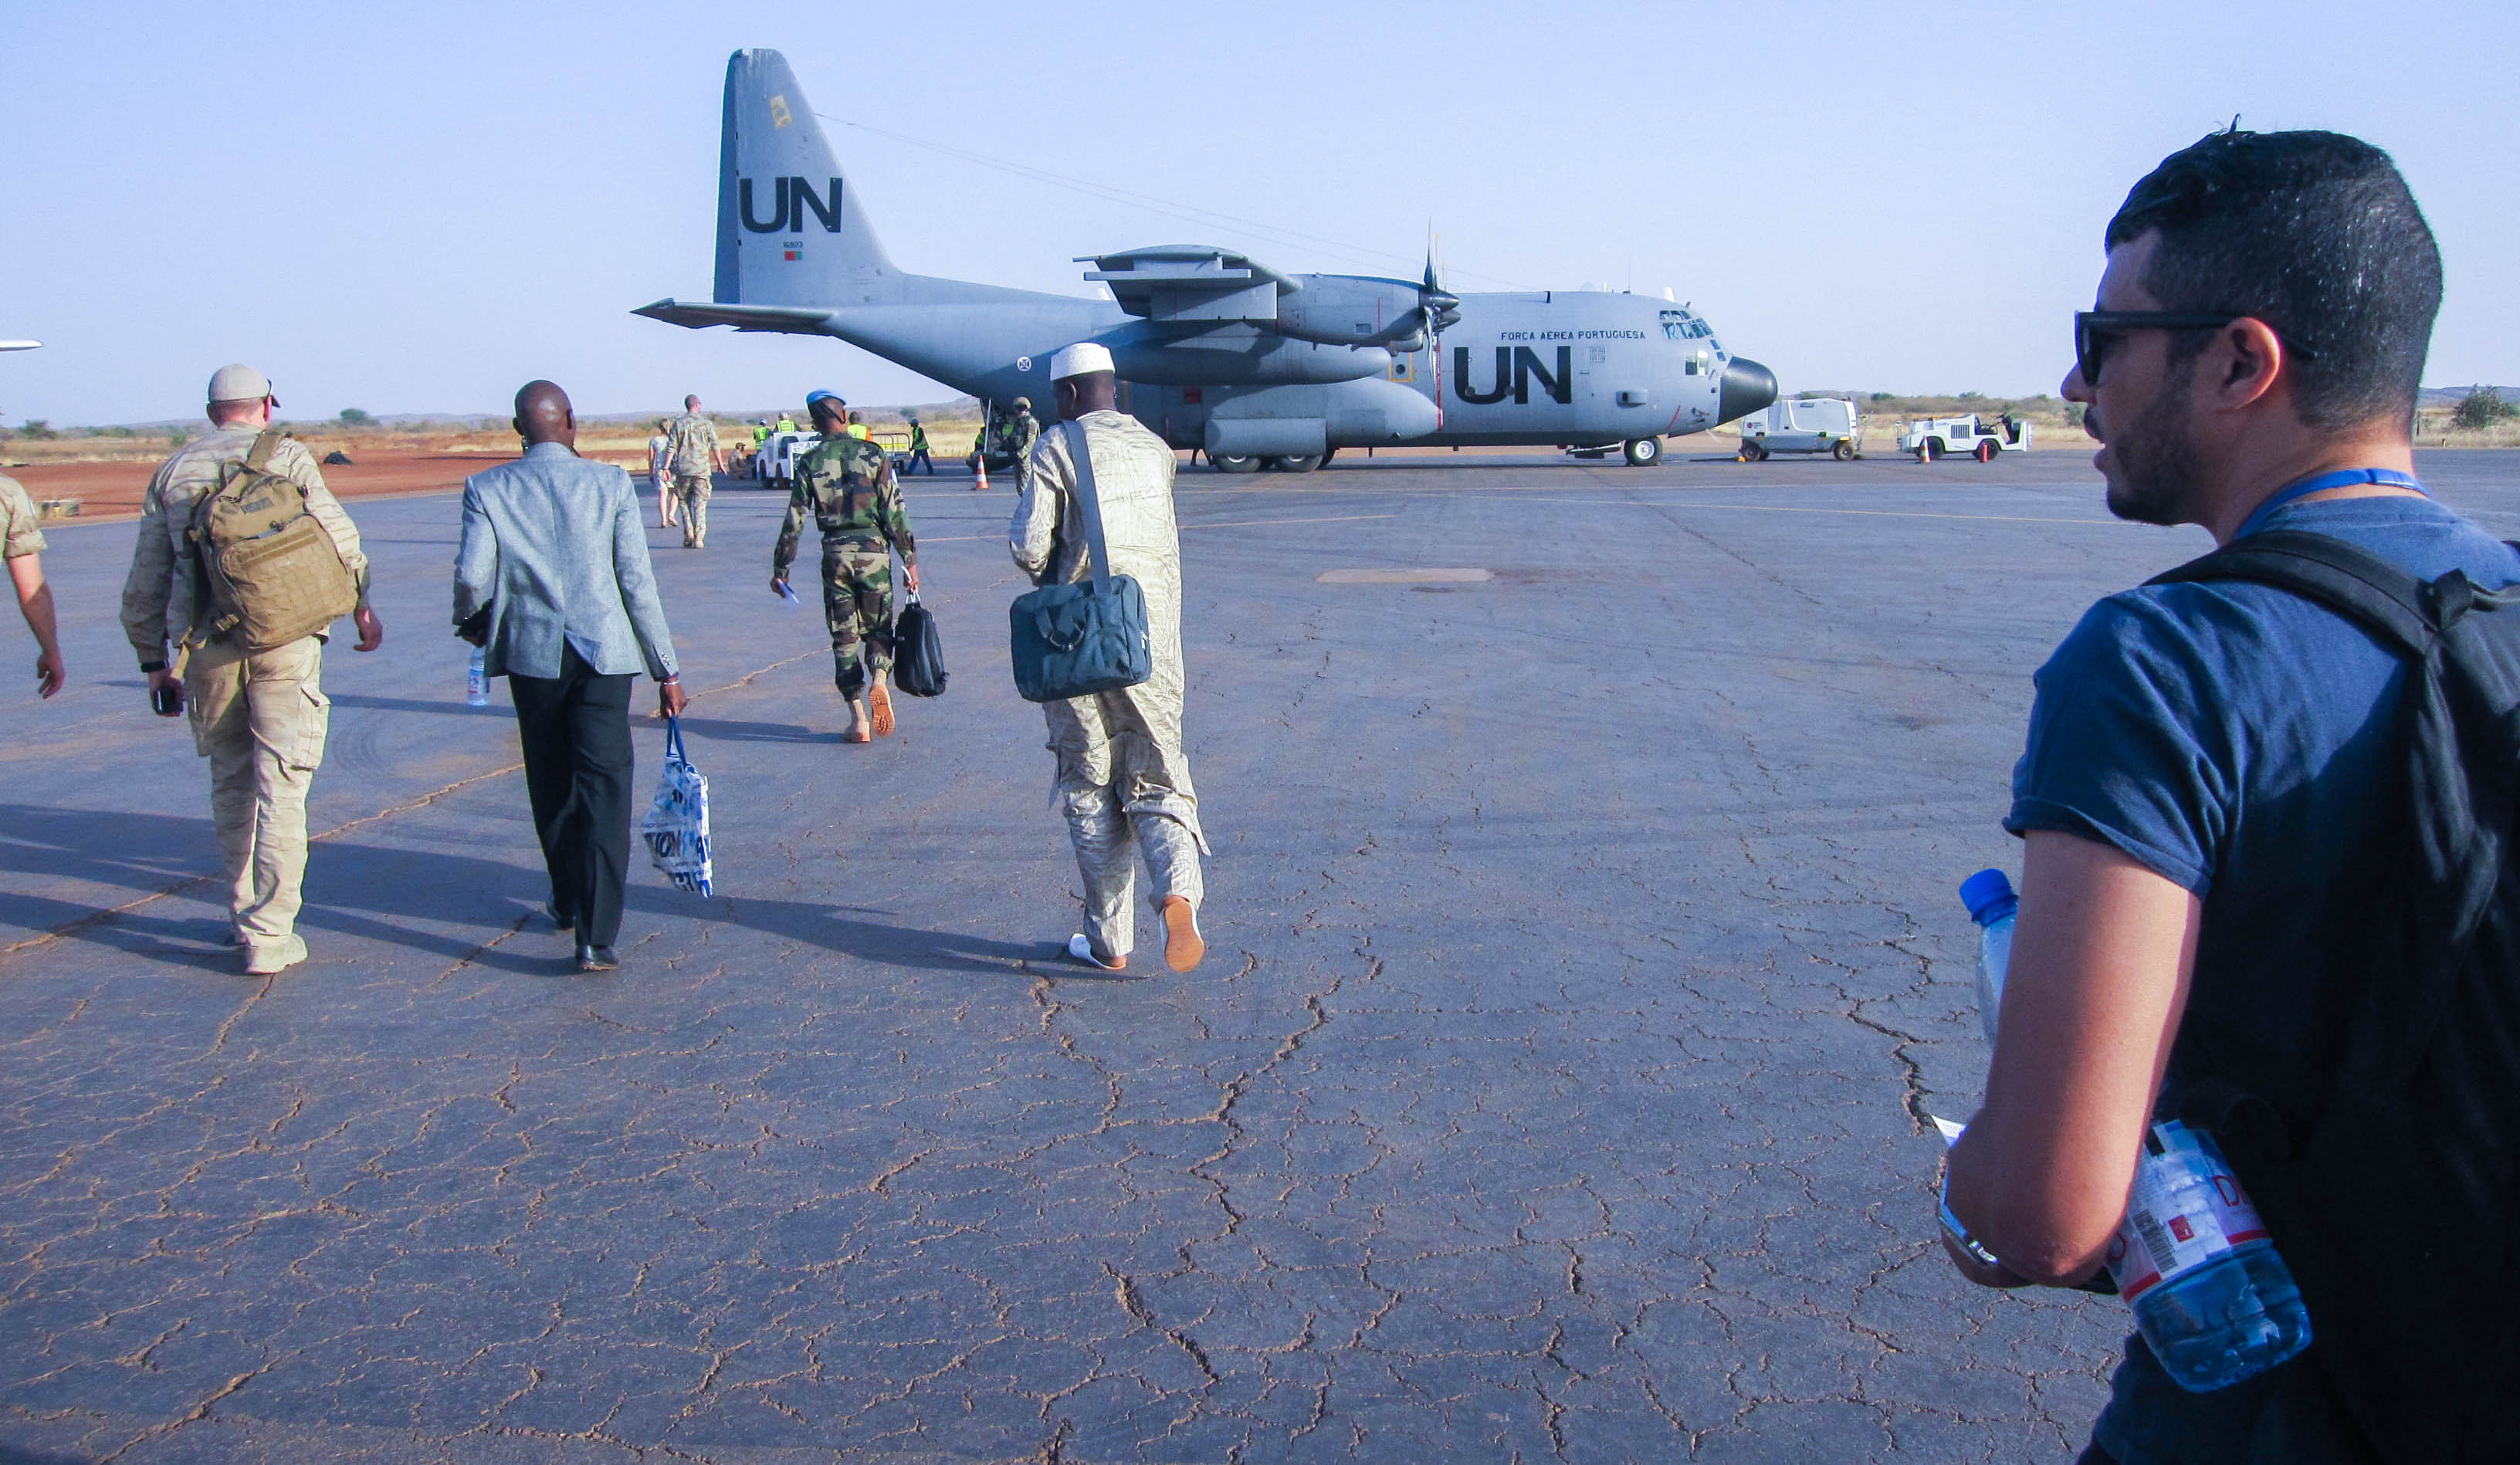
(2321, 484)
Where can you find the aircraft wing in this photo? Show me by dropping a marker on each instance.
(797, 320)
(1190, 282)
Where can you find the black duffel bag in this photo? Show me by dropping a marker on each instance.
(1073, 640)
(918, 651)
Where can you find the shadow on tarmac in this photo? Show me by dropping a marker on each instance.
(368, 892)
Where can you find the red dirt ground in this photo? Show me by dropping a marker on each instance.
(112, 490)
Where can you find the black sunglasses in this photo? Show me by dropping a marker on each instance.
(2093, 329)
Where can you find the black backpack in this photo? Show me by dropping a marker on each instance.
(2396, 1207)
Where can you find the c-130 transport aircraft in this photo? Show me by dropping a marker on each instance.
(1215, 351)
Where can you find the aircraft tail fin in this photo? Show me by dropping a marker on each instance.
(789, 230)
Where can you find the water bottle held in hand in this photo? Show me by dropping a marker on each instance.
(1990, 902)
(476, 679)
(2212, 1298)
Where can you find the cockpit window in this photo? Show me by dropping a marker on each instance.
(1679, 324)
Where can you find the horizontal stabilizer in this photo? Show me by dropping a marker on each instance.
(1190, 282)
(795, 320)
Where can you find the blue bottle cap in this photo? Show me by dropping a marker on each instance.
(1989, 896)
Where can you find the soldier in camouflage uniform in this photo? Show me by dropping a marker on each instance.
(1022, 432)
(696, 456)
(846, 484)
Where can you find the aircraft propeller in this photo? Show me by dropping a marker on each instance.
(1443, 308)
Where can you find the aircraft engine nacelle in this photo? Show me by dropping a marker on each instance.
(1239, 355)
(1274, 421)
(1353, 310)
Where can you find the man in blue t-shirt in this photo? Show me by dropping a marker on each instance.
(2206, 761)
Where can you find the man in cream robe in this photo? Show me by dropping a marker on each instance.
(1122, 776)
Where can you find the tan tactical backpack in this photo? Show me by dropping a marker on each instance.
(269, 571)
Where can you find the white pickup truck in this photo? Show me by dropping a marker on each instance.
(1973, 436)
(775, 463)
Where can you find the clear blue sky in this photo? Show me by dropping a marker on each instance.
(413, 208)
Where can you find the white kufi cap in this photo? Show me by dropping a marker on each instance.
(1080, 360)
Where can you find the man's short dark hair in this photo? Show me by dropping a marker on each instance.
(2314, 234)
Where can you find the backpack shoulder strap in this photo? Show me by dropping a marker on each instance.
(2345, 578)
(257, 459)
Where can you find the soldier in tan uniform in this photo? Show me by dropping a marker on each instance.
(696, 456)
(259, 718)
(1123, 777)
(22, 544)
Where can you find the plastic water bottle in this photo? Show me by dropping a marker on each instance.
(1990, 902)
(2211, 1296)
(2213, 1300)
(476, 679)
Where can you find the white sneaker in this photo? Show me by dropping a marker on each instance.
(271, 960)
(1082, 949)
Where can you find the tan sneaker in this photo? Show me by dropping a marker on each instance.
(880, 701)
(1183, 947)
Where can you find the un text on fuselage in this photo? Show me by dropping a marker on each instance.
(790, 200)
(1516, 366)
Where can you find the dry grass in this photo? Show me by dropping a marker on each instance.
(2433, 430)
(619, 440)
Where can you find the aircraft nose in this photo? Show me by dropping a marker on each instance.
(1746, 386)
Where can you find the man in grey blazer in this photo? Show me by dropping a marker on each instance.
(552, 577)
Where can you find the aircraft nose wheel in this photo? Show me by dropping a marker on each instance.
(1643, 452)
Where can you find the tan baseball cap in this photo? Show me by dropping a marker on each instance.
(237, 382)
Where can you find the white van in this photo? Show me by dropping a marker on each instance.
(1804, 424)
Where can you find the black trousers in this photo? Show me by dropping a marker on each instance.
(575, 729)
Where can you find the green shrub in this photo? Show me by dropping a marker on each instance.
(2483, 407)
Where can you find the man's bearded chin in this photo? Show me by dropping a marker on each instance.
(2156, 462)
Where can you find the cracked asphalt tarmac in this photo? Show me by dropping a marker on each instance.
(1584, 958)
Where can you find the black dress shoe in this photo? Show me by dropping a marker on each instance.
(596, 959)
